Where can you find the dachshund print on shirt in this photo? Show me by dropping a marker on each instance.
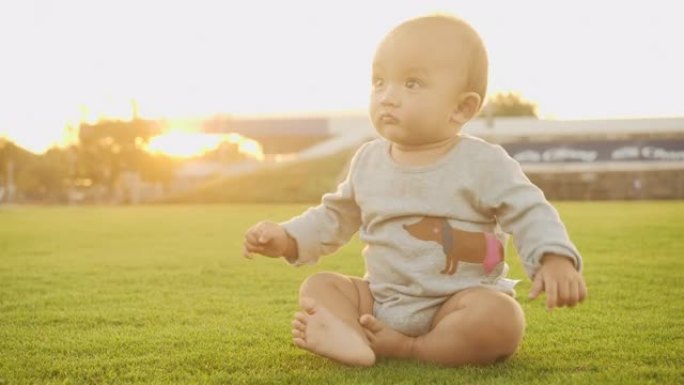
(459, 245)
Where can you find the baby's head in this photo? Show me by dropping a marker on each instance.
(429, 78)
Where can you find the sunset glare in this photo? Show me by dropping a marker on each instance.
(188, 144)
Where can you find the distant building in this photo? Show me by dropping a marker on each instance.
(595, 159)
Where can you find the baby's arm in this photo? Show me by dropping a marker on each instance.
(548, 255)
(319, 231)
(323, 229)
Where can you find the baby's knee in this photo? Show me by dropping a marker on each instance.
(500, 325)
(320, 280)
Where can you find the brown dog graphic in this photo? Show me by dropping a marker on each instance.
(458, 245)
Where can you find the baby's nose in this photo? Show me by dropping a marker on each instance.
(389, 96)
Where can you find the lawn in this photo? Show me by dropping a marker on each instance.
(161, 295)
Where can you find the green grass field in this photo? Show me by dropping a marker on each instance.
(161, 295)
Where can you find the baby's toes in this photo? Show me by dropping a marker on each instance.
(370, 336)
(296, 333)
(371, 323)
(297, 324)
(300, 342)
(301, 317)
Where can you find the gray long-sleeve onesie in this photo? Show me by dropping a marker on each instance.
(476, 188)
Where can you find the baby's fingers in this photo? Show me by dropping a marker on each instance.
(551, 294)
(268, 232)
(537, 286)
(265, 237)
(250, 248)
(252, 244)
(252, 235)
(577, 292)
(573, 296)
(582, 290)
(563, 298)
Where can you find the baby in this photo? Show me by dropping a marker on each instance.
(433, 207)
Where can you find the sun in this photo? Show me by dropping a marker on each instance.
(191, 144)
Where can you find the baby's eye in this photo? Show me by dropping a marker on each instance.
(413, 83)
(378, 82)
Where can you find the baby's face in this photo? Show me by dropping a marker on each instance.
(418, 75)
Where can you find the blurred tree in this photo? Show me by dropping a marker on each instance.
(10, 151)
(509, 104)
(15, 162)
(157, 168)
(47, 177)
(110, 147)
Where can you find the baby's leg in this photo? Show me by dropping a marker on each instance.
(475, 326)
(328, 321)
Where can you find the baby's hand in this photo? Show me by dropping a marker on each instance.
(563, 284)
(266, 238)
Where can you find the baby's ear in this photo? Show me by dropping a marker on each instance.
(468, 106)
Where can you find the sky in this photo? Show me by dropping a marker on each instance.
(66, 61)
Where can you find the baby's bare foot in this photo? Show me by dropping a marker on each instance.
(385, 341)
(319, 331)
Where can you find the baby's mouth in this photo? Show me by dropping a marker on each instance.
(388, 119)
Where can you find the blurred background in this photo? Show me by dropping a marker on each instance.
(129, 102)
